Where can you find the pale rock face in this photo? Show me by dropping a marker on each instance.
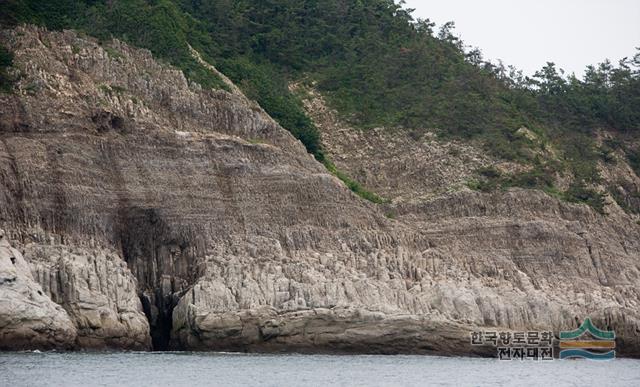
(529, 260)
(122, 180)
(97, 290)
(28, 318)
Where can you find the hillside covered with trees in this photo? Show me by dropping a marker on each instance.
(378, 67)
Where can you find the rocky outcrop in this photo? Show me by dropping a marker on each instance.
(403, 165)
(96, 289)
(530, 260)
(28, 318)
(123, 181)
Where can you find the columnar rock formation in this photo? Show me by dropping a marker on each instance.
(137, 196)
(28, 318)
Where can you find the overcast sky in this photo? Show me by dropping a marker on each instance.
(527, 34)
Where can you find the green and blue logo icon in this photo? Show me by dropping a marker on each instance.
(575, 344)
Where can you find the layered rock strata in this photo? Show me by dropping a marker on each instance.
(135, 195)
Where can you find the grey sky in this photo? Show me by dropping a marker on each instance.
(527, 34)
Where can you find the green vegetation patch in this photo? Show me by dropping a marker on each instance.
(6, 61)
(634, 160)
(378, 67)
(539, 177)
(264, 83)
(158, 25)
(354, 185)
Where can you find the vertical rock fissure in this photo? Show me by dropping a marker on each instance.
(164, 264)
(159, 311)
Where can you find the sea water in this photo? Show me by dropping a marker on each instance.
(226, 369)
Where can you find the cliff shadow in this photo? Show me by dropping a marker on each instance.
(164, 261)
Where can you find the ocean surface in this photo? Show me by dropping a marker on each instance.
(224, 369)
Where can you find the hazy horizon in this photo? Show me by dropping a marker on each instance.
(576, 33)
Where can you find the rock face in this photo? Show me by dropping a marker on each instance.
(562, 260)
(137, 196)
(28, 318)
(407, 166)
(96, 289)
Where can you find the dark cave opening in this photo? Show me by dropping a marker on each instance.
(163, 260)
(159, 312)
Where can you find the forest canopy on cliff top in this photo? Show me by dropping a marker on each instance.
(378, 67)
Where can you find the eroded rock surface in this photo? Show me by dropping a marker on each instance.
(530, 260)
(121, 180)
(98, 292)
(28, 318)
